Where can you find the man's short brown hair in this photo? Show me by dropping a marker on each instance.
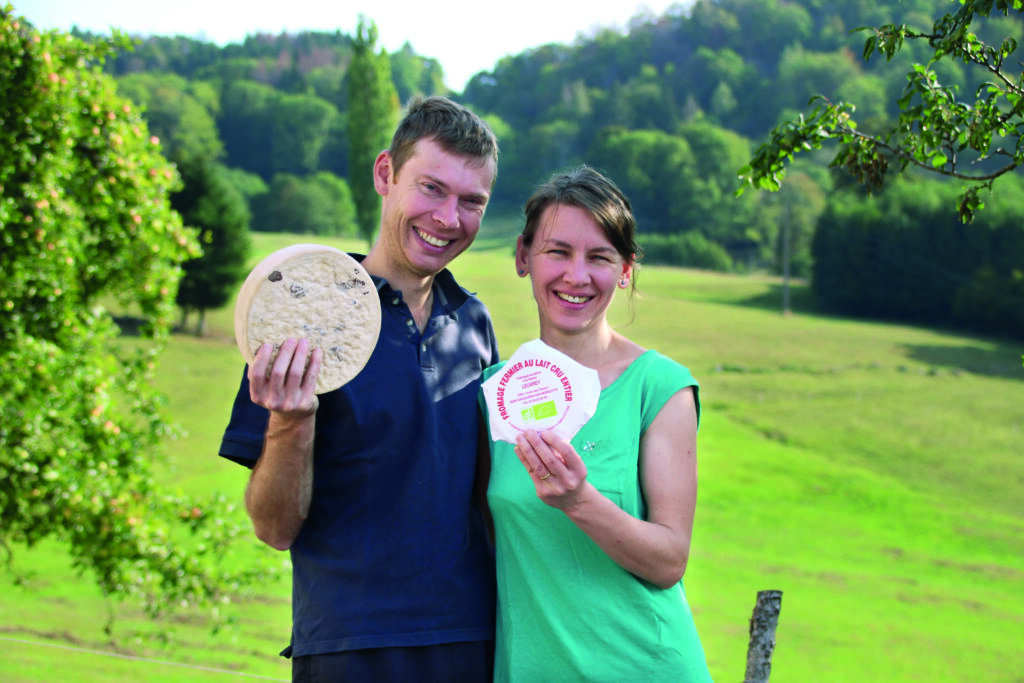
(458, 130)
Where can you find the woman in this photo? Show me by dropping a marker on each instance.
(592, 536)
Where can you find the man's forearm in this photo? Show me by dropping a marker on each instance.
(281, 486)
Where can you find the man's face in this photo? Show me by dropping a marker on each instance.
(431, 211)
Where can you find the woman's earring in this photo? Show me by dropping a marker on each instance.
(624, 282)
(522, 272)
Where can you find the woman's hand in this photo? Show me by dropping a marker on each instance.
(557, 470)
(656, 548)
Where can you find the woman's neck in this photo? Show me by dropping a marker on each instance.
(590, 348)
(604, 350)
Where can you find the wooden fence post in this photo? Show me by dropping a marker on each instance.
(762, 636)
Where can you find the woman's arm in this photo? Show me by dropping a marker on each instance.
(657, 549)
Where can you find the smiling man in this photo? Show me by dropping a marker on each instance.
(370, 486)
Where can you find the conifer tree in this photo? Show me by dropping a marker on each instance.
(373, 103)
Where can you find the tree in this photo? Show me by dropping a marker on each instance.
(934, 131)
(901, 255)
(740, 226)
(185, 125)
(372, 103)
(210, 203)
(320, 204)
(246, 124)
(87, 223)
(249, 185)
(301, 124)
(655, 170)
(414, 75)
(796, 211)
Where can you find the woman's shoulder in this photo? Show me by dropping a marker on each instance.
(654, 362)
(656, 378)
(490, 370)
(656, 359)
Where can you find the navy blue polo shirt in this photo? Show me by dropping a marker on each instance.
(394, 552)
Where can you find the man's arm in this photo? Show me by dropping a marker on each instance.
(483, 474)
(281, 486)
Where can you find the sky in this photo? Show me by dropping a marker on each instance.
(465, 37)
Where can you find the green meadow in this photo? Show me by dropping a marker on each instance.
(873, 473)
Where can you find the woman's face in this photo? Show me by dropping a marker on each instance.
(574, 270)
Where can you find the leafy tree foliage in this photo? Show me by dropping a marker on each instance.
(415, 75)
(87, 223)
(246, 124)
(797, 212)
(182, 113)
(710, 75)
(320, 204)
(301, 124)
(266, 131)
(209, 203)
(180, 55)
(691, 249)
(743, 228)
(247, 184)
(656, 171)
(934, 131)
(676, 184)
(903, 255)
(334, 155)
(328, 83)
(373, 104)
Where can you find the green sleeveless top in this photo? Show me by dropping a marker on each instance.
(566, 611)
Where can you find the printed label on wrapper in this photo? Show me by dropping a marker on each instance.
(540, 388)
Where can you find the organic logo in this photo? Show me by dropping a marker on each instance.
(539, 411)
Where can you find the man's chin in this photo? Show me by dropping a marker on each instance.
(437, 260)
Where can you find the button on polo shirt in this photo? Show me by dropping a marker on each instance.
(442, 316)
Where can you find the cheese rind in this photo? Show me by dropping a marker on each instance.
(315, 292)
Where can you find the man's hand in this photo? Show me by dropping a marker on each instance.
(287, 386)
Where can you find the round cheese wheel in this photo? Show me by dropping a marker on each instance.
(314, 292)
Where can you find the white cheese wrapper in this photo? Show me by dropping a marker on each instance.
(540, 388)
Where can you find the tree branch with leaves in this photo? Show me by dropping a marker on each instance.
(976, 141)
(87, 227)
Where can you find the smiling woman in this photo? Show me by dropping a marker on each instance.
(574, 270)
(613, 503)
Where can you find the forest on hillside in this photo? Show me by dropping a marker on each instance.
(671, 108)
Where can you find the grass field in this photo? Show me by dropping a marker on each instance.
(873, 473)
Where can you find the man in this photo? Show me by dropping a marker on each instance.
(370, 486)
